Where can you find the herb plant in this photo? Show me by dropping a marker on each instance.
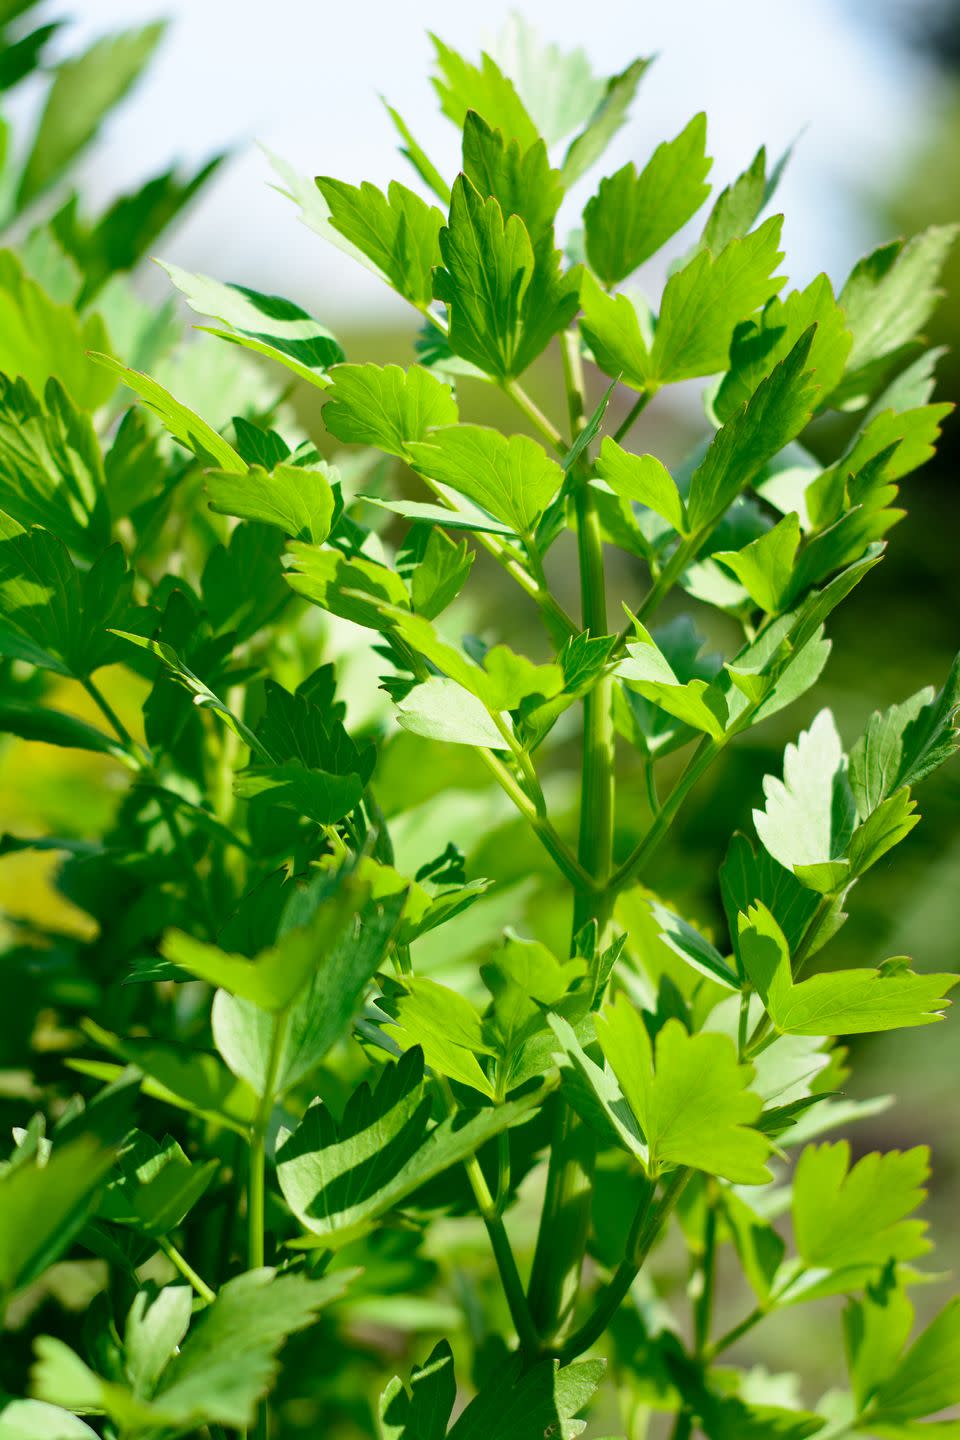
(322, 1056)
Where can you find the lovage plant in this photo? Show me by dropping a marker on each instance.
(529, 1129)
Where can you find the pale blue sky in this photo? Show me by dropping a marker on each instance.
(303, 77)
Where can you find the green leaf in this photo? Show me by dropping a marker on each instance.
(632, 216)
(697, 703)
(775, 414)
(203, 697)
(520, 180)
(268, 324)
(592, 1090)
(505, 299)
(512, 477)
(542, 1401)
(227, 1362)
(748, 876)
(644, 479)
(888, 300)
(52, 727)
(398, 232)
(558, 88)
(924, 1381)
(463, 86)
(46, 1200)
(760, 345)
(297, 499)
(339, 1179)
(902, 745)
(422, 1412)
(703, 302)
(35, 1420)
(192, 432)
(84, 90)
(157, 1187)
(692, 947)
(738, 206)
(440, 709)
(808, 818)
(339, 585)
(444, 1024)
(51, 471)
(386, 406)
(609, 116)
(127, 229)
(885, 827)
(52, 614)
(272, 979)
(192, 1080)
(842, 1002)
(876, 1330)
(440, 574)
(765, 566)
(40, 339)
(689, 1094)
(618, 340)
(418, 158)
(846, 1218)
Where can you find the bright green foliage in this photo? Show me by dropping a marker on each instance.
(632, 216)
(374, 994)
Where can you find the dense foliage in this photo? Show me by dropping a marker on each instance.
(305, 1078)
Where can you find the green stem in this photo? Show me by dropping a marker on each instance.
(682, 1426)
(256, 1181)
(553, 843)
(699, 763)
(535, 415)
(565, 1219)
(180, 1262)
(647, 1226)
(499, 1241)
(703, 1308)
(636, 409)
(135, 751)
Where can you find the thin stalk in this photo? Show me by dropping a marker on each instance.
(636, 410)
(682, 1426)
(699, 763)
(499, 1241)
(561, 854)
(647, 1225)
(535, 415)
(703, 1308)
(565, 1219)
(256, 1179)
(120, 730)
(180, 1262)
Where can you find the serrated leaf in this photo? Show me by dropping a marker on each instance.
(841, 1002)
(518, 178)
(423, 1411)
(512, 477)
(888, 299)
(340, 585)
(339, 1179)
(758, 346)
(440, 709)
(608, 117)
(53, 727)
(737, 206)
(293, 498)
(558, 88)
(543, 1401)
(688, 1093)
(463, 86)
(643, 479)
(902, 745)
(157, 1186)
(924, 1381)
(54, 615)
(85, 88)
(269, 324)
(40, 339)
(386, 406)
(444, 1024)
(505, 299)
(808, 818)
(183, 424)
(632, 216)
(697, 703)
(765, 566)
(847, 1217)
(398, 232)
(51, 471)
(775, 414)
(703, 302)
